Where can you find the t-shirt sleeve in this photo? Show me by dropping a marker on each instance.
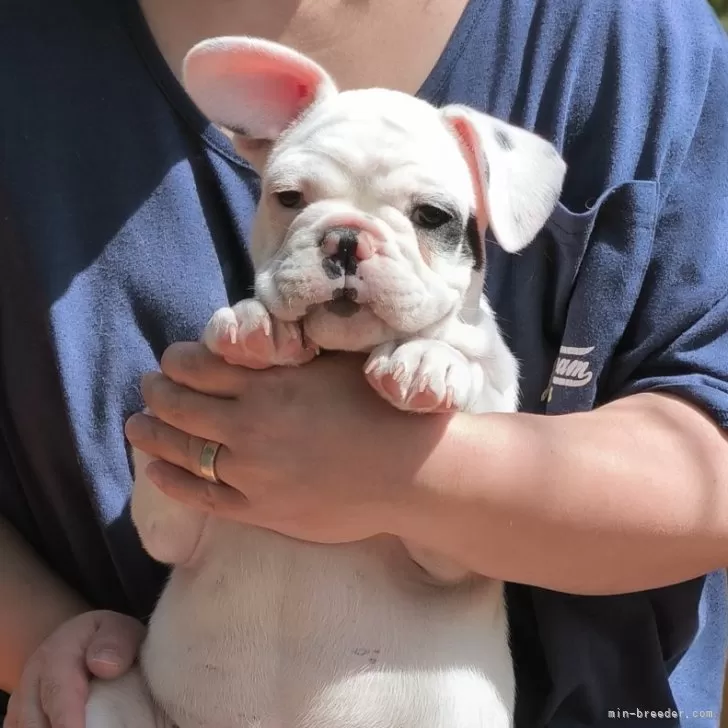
(676, 340)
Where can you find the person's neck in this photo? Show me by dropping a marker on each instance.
(361, 42)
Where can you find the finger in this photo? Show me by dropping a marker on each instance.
(195, 366)
(63, 691)
(198, 493)
(11, 710)
(24, 707)
(197, 414)
(115, 645)
(160, 440)
(25, 711)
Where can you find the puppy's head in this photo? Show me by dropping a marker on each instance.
(374, 204)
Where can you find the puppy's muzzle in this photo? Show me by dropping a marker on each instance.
(343, 248)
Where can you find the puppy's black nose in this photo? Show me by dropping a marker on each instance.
(340, 246)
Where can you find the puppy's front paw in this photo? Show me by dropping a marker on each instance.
(249, 336)
(423, 376)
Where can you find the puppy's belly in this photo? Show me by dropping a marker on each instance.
(267, 632)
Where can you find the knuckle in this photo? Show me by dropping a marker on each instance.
(151, 433)
(193, 453)
(58, 693)
(180, 357)
(190, 359)
(30, 721)
(174, 403)
(50, 691)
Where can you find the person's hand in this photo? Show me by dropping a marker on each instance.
(54, 687)
(312, 452)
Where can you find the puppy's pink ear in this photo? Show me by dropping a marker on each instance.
(253, 87)
(517, 175)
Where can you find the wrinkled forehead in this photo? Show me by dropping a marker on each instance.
(377, 136)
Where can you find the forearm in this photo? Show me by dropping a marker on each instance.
(629, 497)
(33, 603)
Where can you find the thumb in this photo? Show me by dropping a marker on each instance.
(114, 646)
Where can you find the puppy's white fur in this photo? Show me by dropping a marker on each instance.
(256, 630)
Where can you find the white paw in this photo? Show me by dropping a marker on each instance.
(424, 376)
(248, 335)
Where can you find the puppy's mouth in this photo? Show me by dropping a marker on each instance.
(343, 302)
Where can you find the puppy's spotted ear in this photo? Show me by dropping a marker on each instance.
(253, 87)
(517, 175)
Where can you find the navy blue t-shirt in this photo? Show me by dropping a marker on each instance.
(124, 218)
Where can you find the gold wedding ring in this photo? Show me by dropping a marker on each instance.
(207, 460)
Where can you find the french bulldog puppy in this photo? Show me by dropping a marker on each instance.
(370, 237)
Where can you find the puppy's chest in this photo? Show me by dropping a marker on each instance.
(282, 619)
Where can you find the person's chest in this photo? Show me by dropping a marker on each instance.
(136, 235)
(125, 225)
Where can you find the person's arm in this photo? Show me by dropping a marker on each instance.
(633, 494)
(51, 643)
(628, 497)
(33, 603)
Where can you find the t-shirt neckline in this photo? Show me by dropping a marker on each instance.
(168, 83)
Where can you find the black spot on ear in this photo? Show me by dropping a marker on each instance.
(503, 140)
(475, 243)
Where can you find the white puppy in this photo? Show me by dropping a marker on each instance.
(369, 237)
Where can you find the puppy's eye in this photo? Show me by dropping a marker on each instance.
(289, 198)
(430, 217)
